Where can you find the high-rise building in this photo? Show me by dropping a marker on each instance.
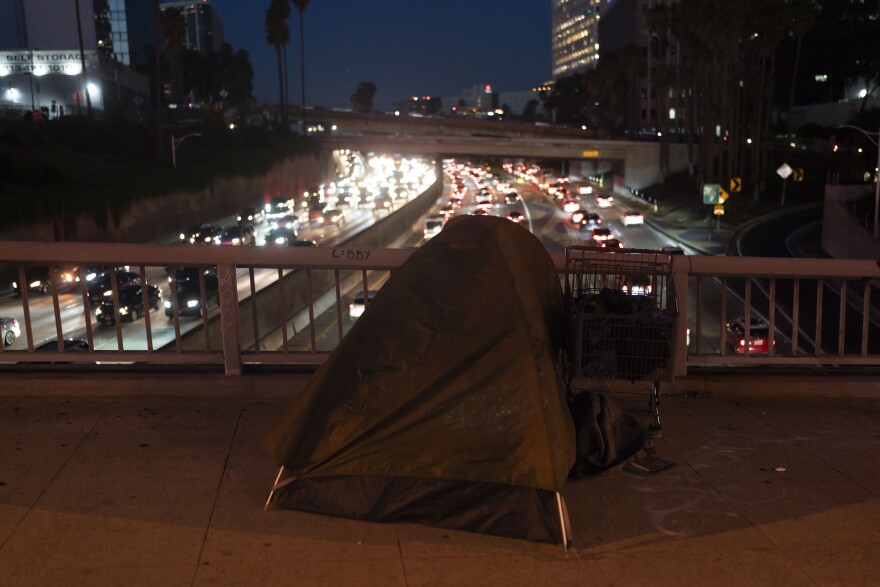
(204, 27)
(575, 31)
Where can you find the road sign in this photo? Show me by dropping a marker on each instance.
(722, 196)
(784, 171)
(711, 193)
(718, 210)
(797, 174)
(736, 184)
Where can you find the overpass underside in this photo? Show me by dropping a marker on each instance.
(639, 161)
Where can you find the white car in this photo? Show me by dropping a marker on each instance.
(10, 330)
(433, 225)
(604, 201)
(632, 218)
(356, 308)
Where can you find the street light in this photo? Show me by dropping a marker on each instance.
(876, 174)
(176, 143)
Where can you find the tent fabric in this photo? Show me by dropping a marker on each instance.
(448, 376)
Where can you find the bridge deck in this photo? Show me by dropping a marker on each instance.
(157, 477)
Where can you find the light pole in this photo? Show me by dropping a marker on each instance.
(876, 174)
(176, 143)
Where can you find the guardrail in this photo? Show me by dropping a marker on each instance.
(288, 306)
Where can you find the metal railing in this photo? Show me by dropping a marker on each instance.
(290, 306)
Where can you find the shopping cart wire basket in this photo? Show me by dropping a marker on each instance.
(621, 313)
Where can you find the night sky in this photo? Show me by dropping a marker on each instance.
(405, 47)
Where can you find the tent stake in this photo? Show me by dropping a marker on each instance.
(560, 507)
(274, 485)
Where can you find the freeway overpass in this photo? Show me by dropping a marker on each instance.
(593, 152)
(638, 163)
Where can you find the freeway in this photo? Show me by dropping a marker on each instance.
(69, 315)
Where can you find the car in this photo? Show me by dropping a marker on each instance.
(37, 279)
(447, 211)
(237, 236)
(189, 298)
(571, 204)
(186, 274)
(636, 284)
(333, 216)
(357, 306)
(590, 221)
(279, 237)
(206, 235)
(601, 234)
(278, 207)
(577, 216)
(250, 216)
(433, 225)
(485, 206)
(102, 286)
(672, 250)
(611, 243)
(511, 196)
(69, 345)
(131, 304)
(759, 336)
(632, 218)
(288, 221)
(10, 330)
(585, 190)
(516, 216)
(302, 243)
(479, 212)
(484, 196)
(604, 200)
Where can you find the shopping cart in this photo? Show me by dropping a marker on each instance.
(622, 314)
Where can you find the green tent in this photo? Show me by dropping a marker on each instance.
(442, 405)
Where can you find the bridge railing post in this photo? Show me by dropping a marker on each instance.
(228, 286)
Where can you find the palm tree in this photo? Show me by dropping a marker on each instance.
(301, 5)
(278, 35)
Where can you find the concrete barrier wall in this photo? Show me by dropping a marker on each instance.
(154, 219)
(842, 236)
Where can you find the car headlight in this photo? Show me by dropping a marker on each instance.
(14, 285)
(167, 304)
(182, 236)
(279, 240)
(98, 311)
(108, 293)
(192, 303)
(123, 310)
(35, 284)
(236, 241)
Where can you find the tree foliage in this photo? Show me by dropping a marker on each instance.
(362, 99)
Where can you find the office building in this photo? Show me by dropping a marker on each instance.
(575, 36)
(204, 27)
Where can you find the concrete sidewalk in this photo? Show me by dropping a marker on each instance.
(159, 479)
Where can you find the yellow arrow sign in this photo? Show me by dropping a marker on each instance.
(722, 196)
(736, 184)
(798, 174)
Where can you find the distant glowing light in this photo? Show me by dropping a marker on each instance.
(749, 141)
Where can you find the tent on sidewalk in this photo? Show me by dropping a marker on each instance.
(442, 405)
